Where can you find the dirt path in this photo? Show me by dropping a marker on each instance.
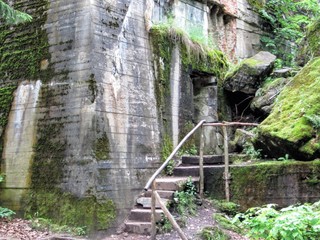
(18, 229)
(193, 227)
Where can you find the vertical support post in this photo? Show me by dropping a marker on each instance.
(170, 217)
(226, 162)
(201, 174)
(153, 211)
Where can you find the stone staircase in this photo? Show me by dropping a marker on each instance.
(190, 164)
(139, 220)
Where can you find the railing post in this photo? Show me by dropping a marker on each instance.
(226, 175)
(170, 217)
(153, 211)
(201, 174)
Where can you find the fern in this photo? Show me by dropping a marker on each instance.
(314, 120)
(11, 16)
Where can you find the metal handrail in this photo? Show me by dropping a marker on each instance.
(172, 154)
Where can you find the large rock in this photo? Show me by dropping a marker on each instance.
(248, 75)
(310, 45)
(241, 137)
(293, 125)
(266, 96)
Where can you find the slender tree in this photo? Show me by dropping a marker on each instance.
(11, 16)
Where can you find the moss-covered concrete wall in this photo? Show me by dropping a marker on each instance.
(175, 52)
(90, 101)
(283, 183)
(91, 106)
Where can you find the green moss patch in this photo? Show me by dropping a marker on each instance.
(66, 209)
(194, 57)
(252, 185)
(288, 122)
(47, 166)
(313, 36)
(248, 65)
(46, 200)
(24, 46)
(6, 98)
(257, 4)
(102, 148)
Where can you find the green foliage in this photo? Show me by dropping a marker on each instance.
(294, 222)
(43, 224)
(196, 35)
(251, 151)
(285, 158)
(11, 16)
(24, 46)
(166, 150)
(229, 208)
(314, 120)
(164, 225)
(6, 213)
(192, 150)
(189, 147)
(6, 98)
(194, 54)
(226, 223)
(288, 20)
(213, 233)
(184, 200)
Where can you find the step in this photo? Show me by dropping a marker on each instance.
(145, 202)
(186, 171)
(173, 183)
(144, 215)
(207, 160)
(138, 227)
(192, 170)
(162, 194)
(213, 159)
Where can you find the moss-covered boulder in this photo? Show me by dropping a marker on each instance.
(247, 77)
(265, 97)
(293, 126)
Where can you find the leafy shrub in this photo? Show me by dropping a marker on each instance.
(213, 233)
(191, 150)
(226, 223)
(229, 208)
(251, 151)
(164, 225)
(294, 222)
(184, 200)
(6, 213)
